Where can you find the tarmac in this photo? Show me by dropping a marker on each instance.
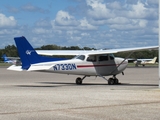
(49, 96)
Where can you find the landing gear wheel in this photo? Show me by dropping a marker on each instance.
(78, 81)
(111, 81)
(116, 81)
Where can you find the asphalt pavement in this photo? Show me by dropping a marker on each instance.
(49, 96)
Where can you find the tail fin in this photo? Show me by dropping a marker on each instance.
(153, 60)
(28, 55)
(4, 57)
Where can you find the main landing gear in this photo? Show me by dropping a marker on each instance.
(79, 80)
(113, 81)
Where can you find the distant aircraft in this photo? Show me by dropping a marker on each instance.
(11, 60)
(144, 62)
(87, 63)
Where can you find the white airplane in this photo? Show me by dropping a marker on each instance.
(87, 63)
(144, 62)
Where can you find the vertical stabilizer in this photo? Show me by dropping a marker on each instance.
(26, 52)
(28, 55)
(4, 57)
(153, 61)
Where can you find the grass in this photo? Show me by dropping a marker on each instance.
(5, 64)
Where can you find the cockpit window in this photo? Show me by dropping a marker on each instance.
(91, 59)
(81, 57)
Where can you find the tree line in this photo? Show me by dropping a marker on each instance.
(11, 51)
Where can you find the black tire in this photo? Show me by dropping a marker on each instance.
(111, 81)
(116, 81)
(78, 81)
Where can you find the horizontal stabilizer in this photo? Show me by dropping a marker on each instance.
(39, 67)
(32, 68)
(15, 68)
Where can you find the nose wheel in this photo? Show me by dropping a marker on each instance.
(79, 80)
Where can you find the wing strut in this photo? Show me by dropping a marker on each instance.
(102, 77)
(123, 62)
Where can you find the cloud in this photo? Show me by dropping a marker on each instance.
(153, 2)
(7, 21)
(84, 25)
(115, 5)
(98, 10)
(129, 25)
(27, 8)
(107, 22)
(8, 32)
(104, 23)
(41, 31)
(63, 18)
(32, 8)
(140, 11)
(12, 9)
(118, 20)
(43, 23)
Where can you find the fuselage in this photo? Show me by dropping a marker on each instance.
(10, 61)
(94, 65)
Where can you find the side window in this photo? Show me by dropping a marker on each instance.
(103, 58)
(91, 59)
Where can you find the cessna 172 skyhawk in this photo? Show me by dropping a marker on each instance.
(86, 63)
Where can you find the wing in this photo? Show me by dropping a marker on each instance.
(61, 52)
(124, 50)
(13, 58)
(93, 52)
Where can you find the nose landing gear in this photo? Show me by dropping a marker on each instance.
(79, 80)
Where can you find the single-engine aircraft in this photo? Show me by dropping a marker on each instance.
(11, 60)
(144, 62)
(86, 63)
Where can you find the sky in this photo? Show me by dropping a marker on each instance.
(85, 23)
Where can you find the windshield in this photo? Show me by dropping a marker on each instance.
(111, 56)
(81, 57)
